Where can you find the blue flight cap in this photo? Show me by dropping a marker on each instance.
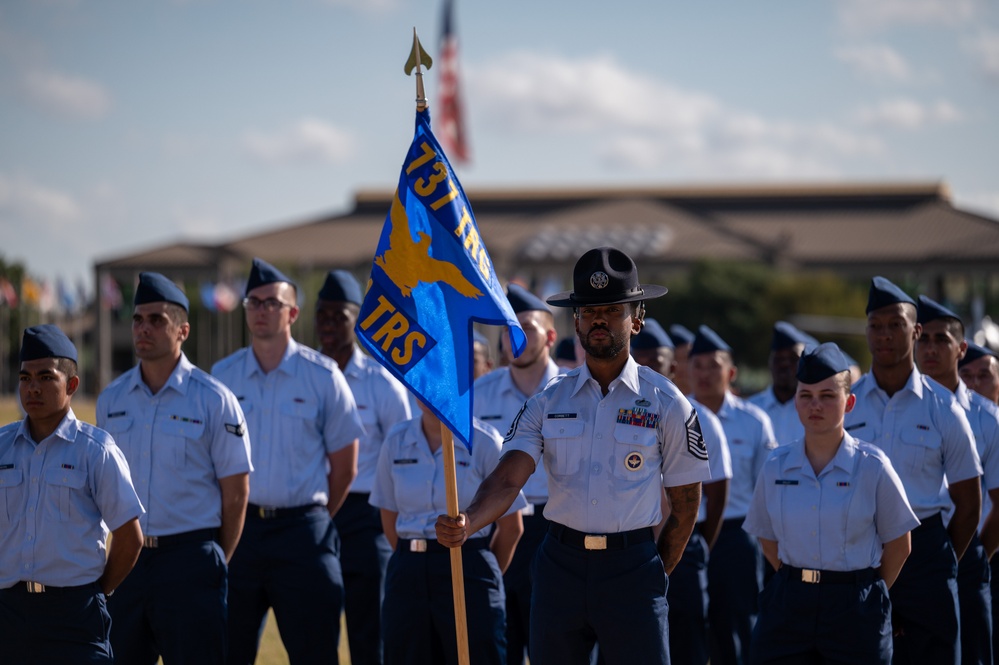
(786, 335)
(566, 349)
(930, 310)
(341, 286)
(522, 300)
(263, 273)
(883, 293)
(680, 335)
(154, 287)
(819, 363)
(652, 336)
(46, 341)
(974, 353)
(708, 341)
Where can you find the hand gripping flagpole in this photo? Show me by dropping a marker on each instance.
(417, 58)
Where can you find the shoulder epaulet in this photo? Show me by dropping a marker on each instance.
(492, 377)
(95, 434)
(121, 378)
(10, 427)
(201, 376)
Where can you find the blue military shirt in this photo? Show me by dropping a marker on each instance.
(58, 499)
(410, 478)
(783, 417)
(836, 520)
(608, 457)
(296, 414)
(983, 416)
(750, 439)
(719, 459)
(497, 401)
(178, 443)
(382, 401)
(924, 432)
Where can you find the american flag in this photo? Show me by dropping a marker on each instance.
(449, 125)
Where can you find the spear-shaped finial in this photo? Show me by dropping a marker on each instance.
(416, 58)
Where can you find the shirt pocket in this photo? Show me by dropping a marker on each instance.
(117, 428)
(11, 494)
(921, 451)
(563, 441)
(636, 452)
(301, 418)
(64, 488)
(177, 436)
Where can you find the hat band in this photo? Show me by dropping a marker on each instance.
(607, 298)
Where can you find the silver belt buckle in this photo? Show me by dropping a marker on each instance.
(151, 542)
(811, 576)
(35, 587)
(595, 542)
(267, 513)
(417, 545)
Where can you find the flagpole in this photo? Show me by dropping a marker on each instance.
(457, 571)
(417, 59)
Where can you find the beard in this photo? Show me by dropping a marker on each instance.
(603, 350)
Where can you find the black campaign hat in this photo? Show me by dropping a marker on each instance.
(605, 276)
(263, 273)
(341, 286)
(46, 341)
(821, 362)
(154, 287)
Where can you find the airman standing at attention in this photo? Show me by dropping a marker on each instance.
(381, 402)
(926, 435)
(184, 436)
(305, 428)
(65, 484)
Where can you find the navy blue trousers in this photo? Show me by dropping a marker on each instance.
(616, 598)
(848, 623)
(59, 626)
(735, 579)
(364, 556)
(924, 599)
(518, 583)
(290, 564)
(172, 604)
(974, 592)
(418, 613)
(688, 605)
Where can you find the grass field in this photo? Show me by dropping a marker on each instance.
(271, 650)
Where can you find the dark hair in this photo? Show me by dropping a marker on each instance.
(67, 367)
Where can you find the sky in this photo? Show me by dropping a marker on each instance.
(131, 124)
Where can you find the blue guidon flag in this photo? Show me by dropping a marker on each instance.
(431, 278)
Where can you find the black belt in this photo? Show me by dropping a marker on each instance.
(812, 576)
(38, 587)
(420, 545)
(934, 521)
(253, 511)
(196, 536)
(599, 541)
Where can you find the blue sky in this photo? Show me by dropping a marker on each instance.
(129, 124)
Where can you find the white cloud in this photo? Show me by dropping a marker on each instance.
(986, 48)
(308, 141)
(873, 15)
(876, 61)
(908, 114)
(66, 95)
(32, 203)
(646, 123)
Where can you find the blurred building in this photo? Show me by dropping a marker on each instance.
(906, 232)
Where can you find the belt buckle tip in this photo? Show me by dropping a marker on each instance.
(595, 542)
(811, 576)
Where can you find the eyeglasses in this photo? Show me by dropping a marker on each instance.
(268, 305)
